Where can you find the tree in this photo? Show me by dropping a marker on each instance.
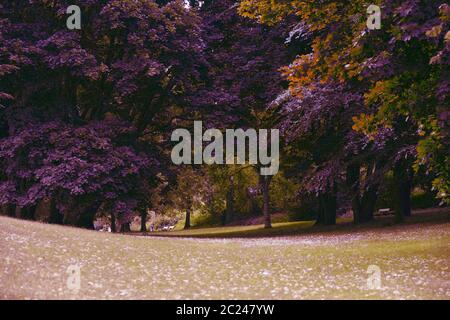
(132, 61)
(244, 58)
(67, 164)
(189, 193)
(397, 70)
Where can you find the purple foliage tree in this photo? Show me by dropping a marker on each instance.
(83, 112)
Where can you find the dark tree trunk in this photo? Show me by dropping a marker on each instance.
(87, 215)
(86, 221)
(330, 208)
(229, 211)
(327, 207)
(368, 202)
(256, 209)
(320, 211)
(266, 202)
(28, 212)
(113, 223)
(80, 216)
(144, 220)
(55, 216)
(125, 227)
(362, 206)
(353, 172)
(187, 222)
(403, 185)
(11, 210)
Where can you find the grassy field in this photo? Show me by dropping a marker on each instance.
(414, 260)
(282, 228)
(433, 215)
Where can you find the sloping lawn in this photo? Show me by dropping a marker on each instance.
(282, 228)
(414, 260)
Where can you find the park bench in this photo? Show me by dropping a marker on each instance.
(384, 212)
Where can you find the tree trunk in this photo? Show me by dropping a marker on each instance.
(327, 207)
(403, 185)
(330, 208)
(87, 215)
(353, 184)
(362, 206)
(80, 216)
(125, 227)
(86, 221)
(55, 216)
(266, 202)
(113, 223)
(27, 213)
(320, 212)
(144, 220)
(368, 202)
(256, 209)
(187, 222)
(11, 210)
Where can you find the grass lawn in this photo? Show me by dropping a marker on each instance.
(282, 228)
(414, 260)
(299, 227)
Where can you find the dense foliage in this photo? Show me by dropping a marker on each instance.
(372, 98)
(132, 62)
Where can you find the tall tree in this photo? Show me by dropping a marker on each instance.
(397, 70)
(244, 58)
(113, 85)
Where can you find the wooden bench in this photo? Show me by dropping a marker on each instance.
(384, 212)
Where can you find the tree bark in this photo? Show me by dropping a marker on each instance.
(256, 209)
(353, 172)
(125, 227)
(86, 221)
(11, 210)
(55, 216)
(362, 206)
(187, 222)
(266, 202)
(28, 212)
(403, 185)
(144, 220)
(330, 208)
(86, 216)
(327, 207)
(113, 223)
(320, 212)
(368, 202)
